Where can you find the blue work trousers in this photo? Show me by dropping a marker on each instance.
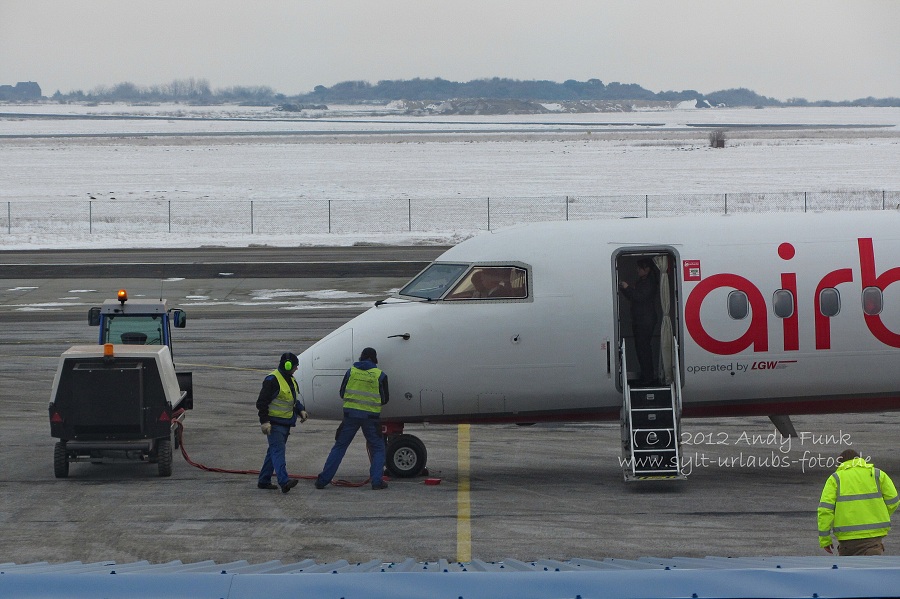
(371, 428)
(275, 460)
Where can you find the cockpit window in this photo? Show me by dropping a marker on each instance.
(434, 280)
(492, 282)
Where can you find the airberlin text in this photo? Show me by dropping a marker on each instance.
(757, 335)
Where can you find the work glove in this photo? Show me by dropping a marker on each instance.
(266, 428)
(304, 416)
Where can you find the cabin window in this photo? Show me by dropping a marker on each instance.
(432, 282)
(873, 301)
(492, 282)
(783, 303)
(829, 302)
(738, 305)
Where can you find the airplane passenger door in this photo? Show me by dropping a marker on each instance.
(647, 362)
(647, 313)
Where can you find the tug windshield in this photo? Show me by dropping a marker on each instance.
(434, 280)
(134, 330)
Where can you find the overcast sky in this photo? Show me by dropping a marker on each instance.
(814, 49)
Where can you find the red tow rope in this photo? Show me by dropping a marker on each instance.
(177, 418)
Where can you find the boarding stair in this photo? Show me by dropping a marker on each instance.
(650, 423)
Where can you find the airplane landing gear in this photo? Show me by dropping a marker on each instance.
(406, 456)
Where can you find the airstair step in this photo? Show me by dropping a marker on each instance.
(652, 462)
(650, 398)
(651, 448)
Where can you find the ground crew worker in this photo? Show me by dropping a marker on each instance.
(857, 503)
(364, 390)
(278, 408)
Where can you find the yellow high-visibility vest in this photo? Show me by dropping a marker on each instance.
(362, 391)
(856, 503)
(283, 405)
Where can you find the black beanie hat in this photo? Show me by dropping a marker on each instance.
(288, 361)
(368, 354)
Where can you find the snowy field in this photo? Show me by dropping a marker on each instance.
(63, 166)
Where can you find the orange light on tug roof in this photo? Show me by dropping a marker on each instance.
(107, 350)
(123, 296)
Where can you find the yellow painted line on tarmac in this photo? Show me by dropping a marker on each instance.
(463, 500)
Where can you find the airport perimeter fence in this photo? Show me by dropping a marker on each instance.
(399, 215)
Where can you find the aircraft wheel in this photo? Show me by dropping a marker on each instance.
(164, 456)
(406, 456)
(60, 461)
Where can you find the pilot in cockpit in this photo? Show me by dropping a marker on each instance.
(479, 284)
(496, 283)
(491, 282)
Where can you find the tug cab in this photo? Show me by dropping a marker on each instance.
(122, 398)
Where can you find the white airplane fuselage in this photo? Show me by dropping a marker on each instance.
(801, 343)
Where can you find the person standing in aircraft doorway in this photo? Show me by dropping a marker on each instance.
(364, 390)
(643, 295)
(856, 504)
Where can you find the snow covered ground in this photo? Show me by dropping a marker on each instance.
(208, 161)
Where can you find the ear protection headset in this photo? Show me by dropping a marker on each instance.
(288, 361)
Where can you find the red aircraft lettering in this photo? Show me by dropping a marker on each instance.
(757, 336)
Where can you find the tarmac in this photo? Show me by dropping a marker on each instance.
(548, 491)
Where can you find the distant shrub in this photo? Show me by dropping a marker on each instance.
(717, 138)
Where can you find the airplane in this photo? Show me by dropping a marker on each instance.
(760, 315)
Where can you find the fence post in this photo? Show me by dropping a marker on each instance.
(647, 206)
(489, 213)
(804, 201)
(170, 216)
(567, 207)
(9, 217)
(329, 216)
(90, 216)
(409, 212)
(251, 217)
(726, 203)
(883, 199)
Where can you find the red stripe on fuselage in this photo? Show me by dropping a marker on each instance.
(780, 406)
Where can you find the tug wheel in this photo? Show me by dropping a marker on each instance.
(164, 456)
(60, 461)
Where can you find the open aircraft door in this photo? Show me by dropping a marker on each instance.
(667, 307)
(648, 361)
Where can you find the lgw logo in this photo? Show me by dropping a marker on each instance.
(772, 364)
